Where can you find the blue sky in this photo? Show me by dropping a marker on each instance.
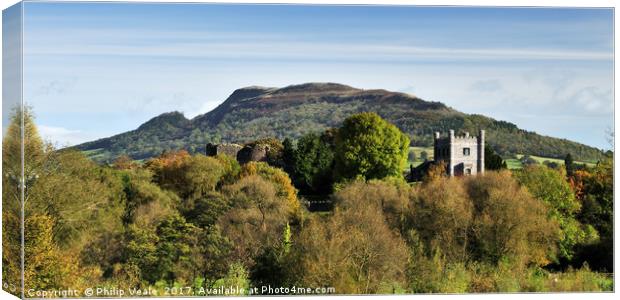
(93, 70)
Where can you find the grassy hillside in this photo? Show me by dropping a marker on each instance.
(257, 112)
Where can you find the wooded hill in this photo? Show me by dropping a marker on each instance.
(257, 112)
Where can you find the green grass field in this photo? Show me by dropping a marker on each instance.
(516, 164)
(94, 153)
(513, 163)
(418, 155)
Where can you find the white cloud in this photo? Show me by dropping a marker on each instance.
(63, 137)
(274, 47)
(594, 99)
(56, 87)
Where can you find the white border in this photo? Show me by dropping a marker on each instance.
(503, 3)
(557, 3)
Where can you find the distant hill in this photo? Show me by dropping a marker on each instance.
(256, 112)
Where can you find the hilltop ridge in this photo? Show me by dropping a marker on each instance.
(254, 112)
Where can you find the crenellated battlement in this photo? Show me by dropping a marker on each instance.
(464, 137)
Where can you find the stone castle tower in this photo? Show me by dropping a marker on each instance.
(464, 155)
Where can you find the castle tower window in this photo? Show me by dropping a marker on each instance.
(456, 152)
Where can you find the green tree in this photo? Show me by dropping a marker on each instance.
(202, 176)
(369, 147)
(82, 198)
(411, 156)
(205, 210)
(215, 254)
(551, 187)
(231, 169)
(237, 277)
(141, 251)
(569, 164)
(527, 160)
(276, 265)
(492, 161)
(288, 155)
(314, 162)
(424, 156)
(177, 240)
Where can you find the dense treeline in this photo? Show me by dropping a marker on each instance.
(183, 220)
(292, 112)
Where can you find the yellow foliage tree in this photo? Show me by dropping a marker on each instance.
(282, 181)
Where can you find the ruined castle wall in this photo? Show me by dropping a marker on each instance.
(226, 149)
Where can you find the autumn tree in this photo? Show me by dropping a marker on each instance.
(281, 181)
(124, 162)
(36, 157)
(258, 214)
(594, 188)
(146, 203)
(169, 168)
(508, 222)
(436, 171)
(188, 176)
(442, 215)
(354, 251)
(391, 197)
(67, 199)
(42, 263)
